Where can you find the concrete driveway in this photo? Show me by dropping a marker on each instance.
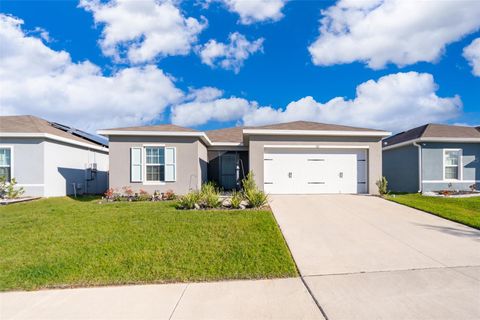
(364, 257)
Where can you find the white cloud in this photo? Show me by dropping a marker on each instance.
(229, 56)
(394, 102)
(251, 11)
(40, 81)
(378, 32)
(472, 54)
(205, 105)
(141, 31)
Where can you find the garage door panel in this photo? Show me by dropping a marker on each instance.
(313, 171)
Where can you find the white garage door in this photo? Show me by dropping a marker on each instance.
(308, 171)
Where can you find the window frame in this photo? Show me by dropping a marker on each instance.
(145, 165)
(2, 146)
(459, 166)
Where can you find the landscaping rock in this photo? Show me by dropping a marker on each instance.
(241, 206)
(197, 206)
(227, 203)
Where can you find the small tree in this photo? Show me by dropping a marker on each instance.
(382, 185)
(8, 190)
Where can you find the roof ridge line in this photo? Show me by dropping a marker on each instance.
(425, 127)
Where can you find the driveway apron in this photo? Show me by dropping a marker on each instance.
(363, 257)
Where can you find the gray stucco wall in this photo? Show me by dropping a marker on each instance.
(187, 163)
(257, 146)
(432, 168)
(28, 163)
(66, 164)
(47, 168)
(400, 167)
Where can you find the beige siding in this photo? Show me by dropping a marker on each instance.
(257, 144)
(187, 163)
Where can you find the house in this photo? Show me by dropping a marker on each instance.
(49, 159)
(289, 158)
(432, 157)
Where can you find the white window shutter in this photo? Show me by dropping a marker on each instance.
(170, 164)
(136, 164)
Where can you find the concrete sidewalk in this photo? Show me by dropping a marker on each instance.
(247, 299)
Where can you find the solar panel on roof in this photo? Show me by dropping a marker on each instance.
(82, 134)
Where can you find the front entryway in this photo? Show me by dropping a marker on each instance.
(312, 171)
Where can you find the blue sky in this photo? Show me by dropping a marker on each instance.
(282, 71)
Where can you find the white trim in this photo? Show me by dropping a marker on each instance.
(450, 181)
(291, 146)
(31, 184)
(154, 183)
(317, 133)
(200, 135)
(153, 145)
(144, 164)
(459, 165)
(51, 137)
(206, 139)
(405, 143)
(12, 162)
(226, 144)
(149, 133)
(312, 146)
(420, 166)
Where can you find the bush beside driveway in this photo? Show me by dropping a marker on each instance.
(63, 242)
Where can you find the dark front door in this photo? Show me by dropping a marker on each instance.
(228, 171)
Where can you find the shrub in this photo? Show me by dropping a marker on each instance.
(143, 196)
(210, 197)
(236, 200)
(248, 183)
(8, 190)
(109, 193)
(256, 198)
(169, 195)
(382, 185)
(189, 200)
(127, 190)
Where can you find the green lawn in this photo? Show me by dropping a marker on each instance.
(463, 210)
(62, 242)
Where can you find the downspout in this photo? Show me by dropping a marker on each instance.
(420, 185)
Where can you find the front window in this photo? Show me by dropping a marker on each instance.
(6, 163)
(155, 163)
(452, 164)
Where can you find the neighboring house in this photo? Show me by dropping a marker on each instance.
(291, 158)
(48, 159)
(432, 157)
